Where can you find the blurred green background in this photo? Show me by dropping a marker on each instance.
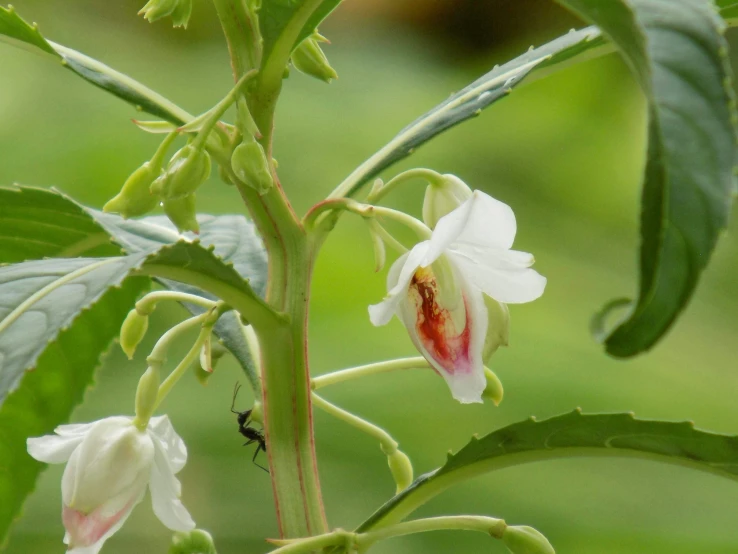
(565, 153)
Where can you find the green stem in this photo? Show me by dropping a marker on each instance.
(148, 303)
(157, 160)
(420, 173)
(492, 526)
(386, 236)
(159, 352)
(388, 444)
(184, 365)
(242, 35)
(264, 99)
(338, 537)
(283, 341)
(417, 362)
(221, 108)
(314, 221)
(287, 406)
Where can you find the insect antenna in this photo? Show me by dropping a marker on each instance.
(235, 394)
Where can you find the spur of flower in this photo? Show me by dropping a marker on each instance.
(451, 291)
(110, 464)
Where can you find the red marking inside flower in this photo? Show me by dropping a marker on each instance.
(436, 329)
(87, 529)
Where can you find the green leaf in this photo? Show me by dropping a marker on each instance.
(234, 240)
(572, 435)
(678, 55)
(275, 16)
(13, 27)
(37, 223)
(43, 297)
(470, 101)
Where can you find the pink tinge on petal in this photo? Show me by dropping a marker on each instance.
(87, 529)
(447, 345)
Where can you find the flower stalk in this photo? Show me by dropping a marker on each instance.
(402, 470)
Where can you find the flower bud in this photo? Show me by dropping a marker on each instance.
(196, 541)
(400, 466)
(498, 326)
(493, 391)
(187, 170)
(156, 9)
(135, 198)
(249, 163)
(147, 394)
(182, 212)
(522, 539)
(444, 197)
(310, 59)
(132, 331)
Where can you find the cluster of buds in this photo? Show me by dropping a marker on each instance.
(172, 186)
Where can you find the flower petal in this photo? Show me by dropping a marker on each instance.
(481, 220)
(53, 449)
(173, 445)
(165, 492)
(86, 534)
(453, 345)
(501, 278)
(398, 280)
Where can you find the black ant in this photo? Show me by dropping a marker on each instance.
(254, 435)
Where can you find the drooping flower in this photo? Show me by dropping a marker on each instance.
(438, 289)
(110, 463)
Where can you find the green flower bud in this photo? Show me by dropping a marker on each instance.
(444, 197)
(498, 327)
(521, 539)
(310, 59)
(182, 212)
(135, 199)
(493, 391)
(147, 394)
(181, 14)
(249, 163)
(156, 9)
(132, 331)
(192, 542)
(187, 170)
(400, 466)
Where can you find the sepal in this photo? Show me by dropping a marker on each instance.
(309, 58)
(443, 197)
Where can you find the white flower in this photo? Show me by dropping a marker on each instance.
(109, 465)
(437, 291)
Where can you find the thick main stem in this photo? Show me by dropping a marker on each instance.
(286, 403)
